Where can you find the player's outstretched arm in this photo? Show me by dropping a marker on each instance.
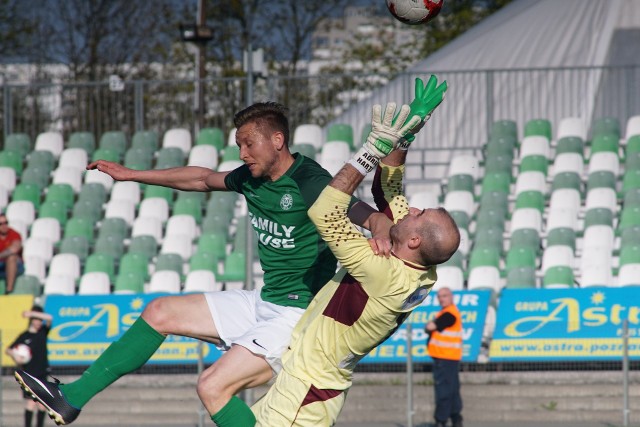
(188, 178)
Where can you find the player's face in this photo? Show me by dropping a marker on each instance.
(257, 151)
(409, 223)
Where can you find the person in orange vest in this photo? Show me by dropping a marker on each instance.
(445, 347)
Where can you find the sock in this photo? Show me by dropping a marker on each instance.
(125, 355)
(40, 418)
(235, 413)
(28, 416)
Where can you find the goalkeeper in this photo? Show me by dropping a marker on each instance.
(368, 299)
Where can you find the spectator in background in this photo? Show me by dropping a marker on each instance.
(445, 347)
(35, 337)
(10, 254)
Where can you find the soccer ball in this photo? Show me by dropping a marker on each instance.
(21, 353)
(414, 12)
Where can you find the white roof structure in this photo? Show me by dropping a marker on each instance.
(532, 59)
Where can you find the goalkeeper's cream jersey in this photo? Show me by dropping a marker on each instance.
(365, 302)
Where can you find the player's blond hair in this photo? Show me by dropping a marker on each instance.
(269, 117)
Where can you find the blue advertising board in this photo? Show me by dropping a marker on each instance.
(84, 326)
(566, 324)
(473, 307)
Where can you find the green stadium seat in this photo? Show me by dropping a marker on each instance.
(84, 140)
(211, 136)
(213, 243)
(632, 162)
(504, 128)
(146, 139)
(62, 193)
(307, 150)
(240, 236)
(633, 145)
(559, 276)
(484, 256)
(521, 256)
(11, 159)
(629, 255)
(495, 200)
(632, 198)
(106, 154)
(54, 209)
(461, 182)
(455, 260)
(231, 152)
(489, 217)
(19, 142)
(530, 199)
(630, 237)
(114, 226)
(222, 202)
(630, 181)
(598, 216)
(214, 223)
(629, 217)
(521, 278)
(37, 176)
(79, 227)
(76, 245)
(28, 192)
(490, 237)
(500, 146)
(601, 179)
(41, 159)
(563, 236)
(188, 206)
(135, 262)
(171, 262)
(526, 238)
(606, 126)
(570, 144)
(101, 262)
(204, 261)
(87, 209)
(138, 158)
(535, 163)
(158, 191)
(566, 180)
(129, 282)
(145, 245)
(170, 157)
(27, 285)
(498, 181)
(114, 141)
(110, 245)
(605, 143)
(234, 267)
(461, 218)
(538, 127)
(340, 132)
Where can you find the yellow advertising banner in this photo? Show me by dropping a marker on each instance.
(12, 323)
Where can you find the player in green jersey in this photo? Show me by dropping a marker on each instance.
(253, 327)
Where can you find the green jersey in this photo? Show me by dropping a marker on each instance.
(295, 260)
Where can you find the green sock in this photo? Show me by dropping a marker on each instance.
(125, 355)
(235, 413)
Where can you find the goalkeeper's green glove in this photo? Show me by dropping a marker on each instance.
(427, 98)
(384, 136)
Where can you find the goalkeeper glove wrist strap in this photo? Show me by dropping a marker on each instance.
(364, 161)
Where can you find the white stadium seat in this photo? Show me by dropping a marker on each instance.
(424, 200)
(449, 276)
(147, 226)
(59, 285)
(50, 141)
(4, 197)
(164, 281)
(308, 134)
(205, 156)
(231, 139)
(534, 146)
(484, 277)
(229, 165)
(633, 127)
(124, 209)
(565, 198)
(68, 175)
(46, 228)
(65, 265)
(202, 281)
(102, 178)
(94, 283)
(602, 197)
(7, 178)
(531, 181)
(21, 211)
(557, 256)
(182, 225)
(460, 201)
(465, 165)
(605, 161)
(75, 158)
(629, 275)
(180, 138)
(35, 266)
(572, 126)
(568, 162)
(526, 218)
(154, 207)
(562, 218)
(126, 190)
(178, 244)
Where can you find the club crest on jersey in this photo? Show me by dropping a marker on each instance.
(286, 202)
(415, 298)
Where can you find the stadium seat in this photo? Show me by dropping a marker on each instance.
(188, 206)
(27, 192)
(116, 227)
(50, 141)
(177, 244)
(629, 275)
(562, 236)
(630, 181)
(213, 243)
(27, 285)
(87, 209)
(562, 218)
(18, 142)
(145, 139)
(205, 156)
(147, 226)
(164, 282)
(308, 134)
(35, 266)
(424, 200)
(70, 176)
(178, 138)
(518, 257)
(182, 225)
(531, 181)
(62, 193)
(203, 261)
(41, 159)
(465, 165)
(59, 285)
(504, 128)
(460, 201)
(526, 238)
(633, 127)
(340, 132)
(65, 264)
(107, 154)
(38, 247)
(604, 126)
(234, 268)
(231, 138)
(170, 261)
(138, 158)
(21, 211)
(559, 255)
(500, 146)
(13, 160)
(93, 192)
(229, 165)
(530, 199)
(630, 237)
(154, 207)
(79, 227)
(629, 254)
(570, 144)
(83, 140)
(46, 228)
(498, 181)
(485, 277)
(95, 176)
(231, 152)
(487, 217)
(602, 198)
(483, 256)
(595, 269)
(109, 245)
(145, 245)
(126, 190)
(565, 198)
(526, 218)
(4, 198)
(535, 164)
(36, 176)
(598, 216)
(629, 217)
(201, 281)
(170, 157)
(604, 161)
(333, 155)
(600, 179)
(499, 163)
(124, 209)
(212, 137)
(538, 127)
(75, 158)
(102, 263)
(451, 277)
(7, 178)
(215, 223)
(568, 162)
(115, 141)
(521, 278)
(572, 126)
(495, 200)
(535, 146)
(558, 277)
(76, 245)
(598, 237)
(135, 262)
(153, 191)
(490, 237)
(605, 144)
(631, 198)
(94, 283)
(307, 150)
(461, 218)
(129, 283)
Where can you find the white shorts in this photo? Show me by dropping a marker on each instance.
(243, 318)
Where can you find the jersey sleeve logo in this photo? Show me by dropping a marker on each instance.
(286, 202)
